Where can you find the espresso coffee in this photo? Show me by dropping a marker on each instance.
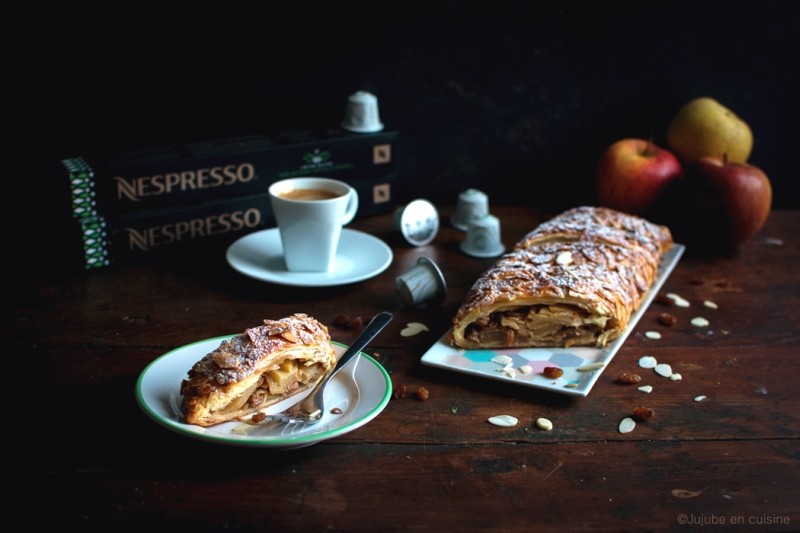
(308, 194)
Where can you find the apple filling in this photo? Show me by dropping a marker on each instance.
(282, 381)
(540, 325)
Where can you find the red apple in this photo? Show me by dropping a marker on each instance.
(739, 193)
(632, 173)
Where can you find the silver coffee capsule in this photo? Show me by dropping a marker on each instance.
(422, 284)
(472, 204)
(361, 114)
(418, 222)
(483, 238)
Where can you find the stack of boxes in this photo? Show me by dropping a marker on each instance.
(136, 204)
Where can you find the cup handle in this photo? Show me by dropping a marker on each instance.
(352, 207)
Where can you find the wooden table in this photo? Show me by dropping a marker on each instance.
(78, 342)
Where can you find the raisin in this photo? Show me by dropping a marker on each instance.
(348, 323)
(399, 392)
(667, 319)
(663, 299)
(643, 413)
(628, 378)
(552, 372)
(423, 394)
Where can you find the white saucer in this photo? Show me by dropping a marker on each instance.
(260, 255)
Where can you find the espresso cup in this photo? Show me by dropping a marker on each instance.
(310, 213)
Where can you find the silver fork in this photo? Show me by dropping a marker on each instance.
(311, 408)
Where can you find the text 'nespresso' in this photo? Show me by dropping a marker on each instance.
(203, 178)
(147, 238)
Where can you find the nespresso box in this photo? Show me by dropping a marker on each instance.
(199, 172)
(118, 238)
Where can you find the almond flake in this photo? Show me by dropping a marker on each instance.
(504, 420)
(675, 377)
(502, 359)
(591, 366)
(663, 369)
(699, 322)
(652, 335)
(700, 398)
(647, 361)
(543, 423)
(710, 304)
(508, 371)
(677, 300)
(526, 369)
(626, 425)
(413, 328)
(646, 388)
(564, 258)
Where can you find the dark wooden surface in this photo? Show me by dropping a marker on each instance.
(84, 455)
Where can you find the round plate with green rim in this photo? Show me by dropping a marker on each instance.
(356, 395)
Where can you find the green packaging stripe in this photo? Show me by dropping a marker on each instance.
(81, 179)
(95, 242)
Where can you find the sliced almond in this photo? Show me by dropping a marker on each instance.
(564, 258)
(591, 366)
(504, 420)
(543, 423)
(647, 361)
(626, 425)
(502, 360)
(678, 300)
(663, 369)
(413, 328)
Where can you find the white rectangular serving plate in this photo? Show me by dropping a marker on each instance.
(582, 366)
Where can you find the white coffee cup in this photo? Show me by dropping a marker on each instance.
(310, 213)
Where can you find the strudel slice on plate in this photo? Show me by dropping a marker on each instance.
(573, 281)
(256, 369)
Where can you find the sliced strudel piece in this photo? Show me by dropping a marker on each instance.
(256, 369)
(565, 284)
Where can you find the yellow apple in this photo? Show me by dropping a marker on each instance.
(704, 127)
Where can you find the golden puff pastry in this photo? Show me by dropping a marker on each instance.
(604, 225)
(256, 369)
(573, 281)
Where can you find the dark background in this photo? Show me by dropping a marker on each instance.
(515, 98)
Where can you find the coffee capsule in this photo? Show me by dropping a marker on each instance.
(361, 113)
(472, 204)
(418, 222)
(422, 284)
(483, 238)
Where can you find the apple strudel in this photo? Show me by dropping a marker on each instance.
(256, 369)
(575, 280)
